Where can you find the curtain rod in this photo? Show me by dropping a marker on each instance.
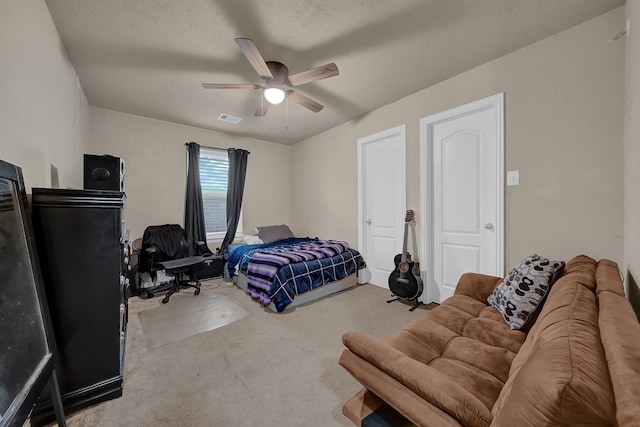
(216, 148)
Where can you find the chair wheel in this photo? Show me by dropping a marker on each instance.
(165, 299)
(150, 294)
(197, 292)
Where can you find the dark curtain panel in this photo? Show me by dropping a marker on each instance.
(235, 189)
(194, 212)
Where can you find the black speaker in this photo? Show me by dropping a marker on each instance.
(103, 173)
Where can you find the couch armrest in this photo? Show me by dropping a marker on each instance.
(477, 286)
(425, 381)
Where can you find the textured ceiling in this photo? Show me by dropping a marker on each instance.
(149, 57)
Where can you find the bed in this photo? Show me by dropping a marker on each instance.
(293, 271)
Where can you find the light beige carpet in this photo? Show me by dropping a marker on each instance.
(266, 369)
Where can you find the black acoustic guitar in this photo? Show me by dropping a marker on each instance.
(405, 281)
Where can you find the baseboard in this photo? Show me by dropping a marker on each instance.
(43, 412)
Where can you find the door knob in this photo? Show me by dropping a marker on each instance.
(488, 226)
(368, 222)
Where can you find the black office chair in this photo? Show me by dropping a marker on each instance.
(164, 247)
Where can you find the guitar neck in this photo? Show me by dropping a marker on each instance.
(404, 242)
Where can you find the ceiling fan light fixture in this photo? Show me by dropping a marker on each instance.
(274, 95)
(275, 80)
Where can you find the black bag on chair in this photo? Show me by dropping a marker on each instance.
(164, 247)
(170, 242)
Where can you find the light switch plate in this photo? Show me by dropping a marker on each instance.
(513, 178)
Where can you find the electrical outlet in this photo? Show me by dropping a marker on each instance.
(513, 178)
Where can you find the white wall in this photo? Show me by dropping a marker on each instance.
(564, 121)
(44, 113)
(632, 143)
(155, 174)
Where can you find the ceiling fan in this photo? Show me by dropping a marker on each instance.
(275, 77)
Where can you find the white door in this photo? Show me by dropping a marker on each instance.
(464, 188)
(381, 201)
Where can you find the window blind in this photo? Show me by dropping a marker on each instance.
(214, 171)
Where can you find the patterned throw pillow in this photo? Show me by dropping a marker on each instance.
(523, 290)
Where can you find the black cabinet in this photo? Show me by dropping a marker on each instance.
(79, 239)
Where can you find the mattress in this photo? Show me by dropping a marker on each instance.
(320, 292)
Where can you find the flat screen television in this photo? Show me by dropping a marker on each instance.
(26, 356)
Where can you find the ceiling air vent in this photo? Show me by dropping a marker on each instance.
(229, 118)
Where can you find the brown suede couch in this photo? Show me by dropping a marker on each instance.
(461, 364)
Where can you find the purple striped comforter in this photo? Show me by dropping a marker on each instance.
(264, 265)
(300, 265)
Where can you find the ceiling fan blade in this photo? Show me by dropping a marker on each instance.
(253, 55)
(262, 107)
(306, 102)
(229, 86)
(314, 74)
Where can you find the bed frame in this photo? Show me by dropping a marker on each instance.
(320, 292)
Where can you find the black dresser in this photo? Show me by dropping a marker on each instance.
(83, 257)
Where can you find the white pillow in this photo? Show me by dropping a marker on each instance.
(252, 240)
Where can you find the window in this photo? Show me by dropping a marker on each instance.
(214, 171)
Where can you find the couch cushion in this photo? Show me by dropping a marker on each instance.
(620, 333)
(560, 375)
(429, 337)
(429, 383)
(395, 393)
(484, 323)
(620, 338)
(580, 270)
(608, 278)
(524, 289)
(477, 286)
